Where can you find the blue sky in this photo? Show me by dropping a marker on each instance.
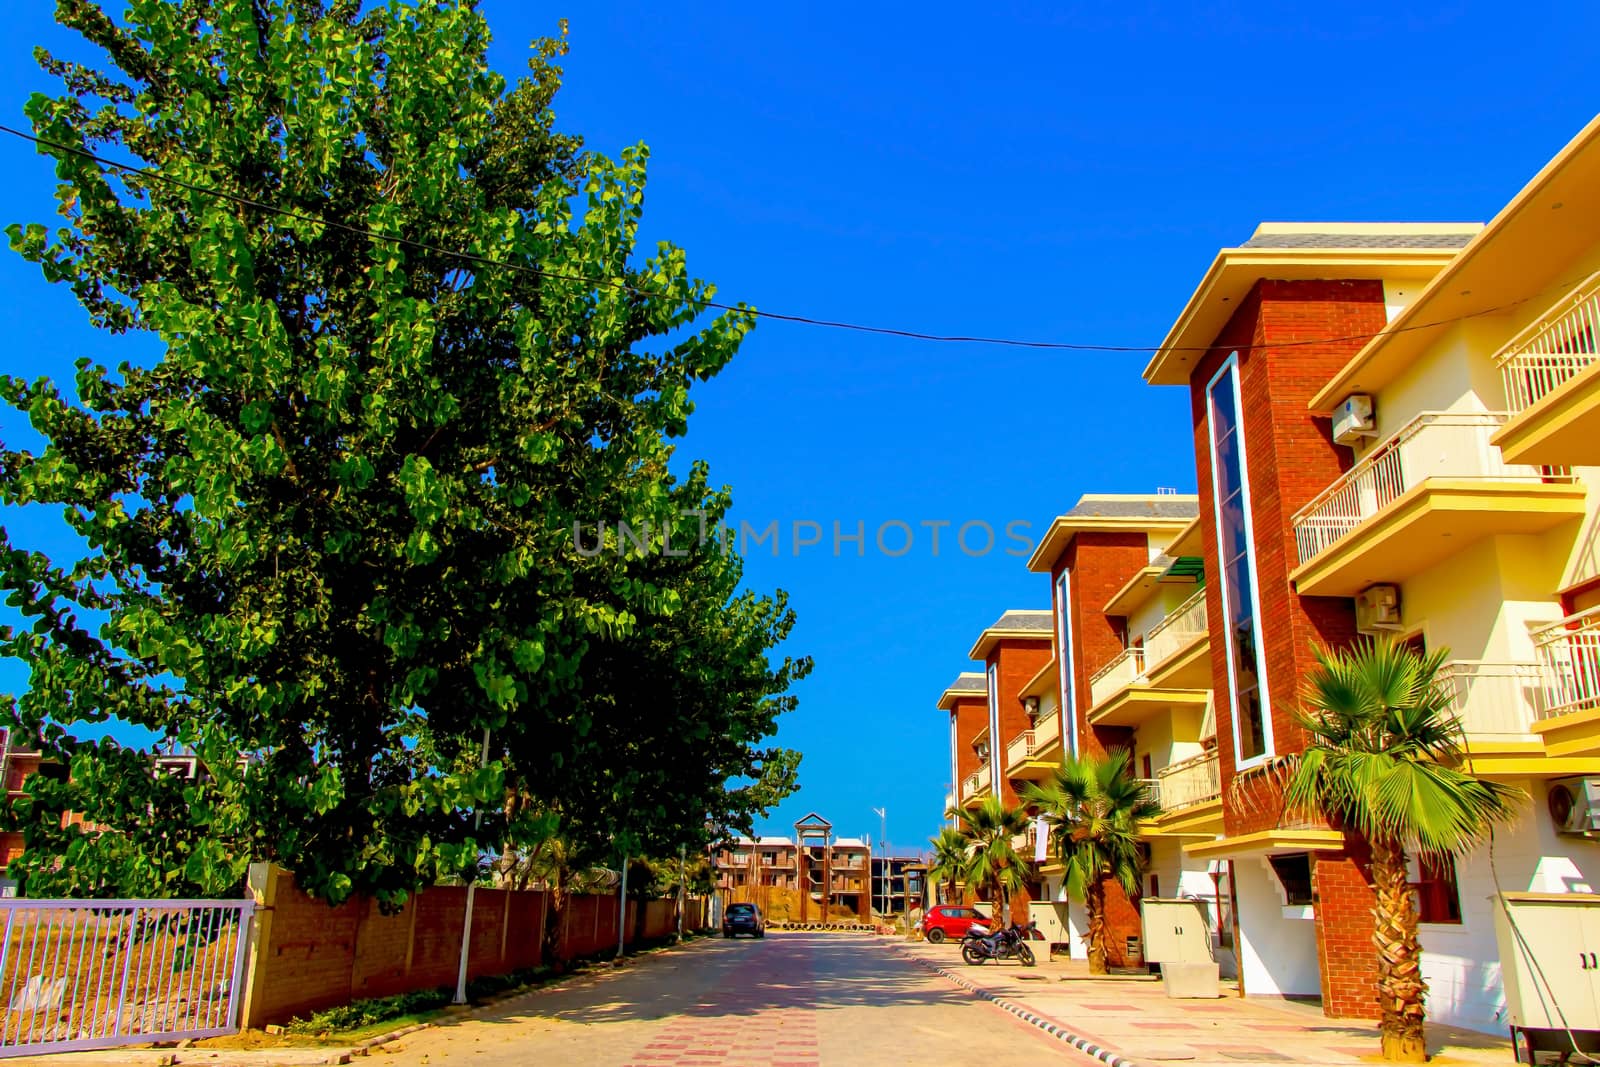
(1063, 176)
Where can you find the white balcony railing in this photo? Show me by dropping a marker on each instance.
(1046, 730)
(977, 782)
(1175, 632)
(1030, 743)
(1569, 663)
(1493, 698)
(1436, 444)
(1120, 672)
(1020, 748)
(1554, 348)
(1189, 781)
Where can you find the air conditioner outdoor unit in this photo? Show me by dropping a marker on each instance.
(1378, 609)
(1354, 419)
(1575, 805)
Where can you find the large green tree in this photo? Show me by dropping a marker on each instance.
(406, 348)
(1093, 807)
(1384, 760)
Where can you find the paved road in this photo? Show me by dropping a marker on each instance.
(791, 1000)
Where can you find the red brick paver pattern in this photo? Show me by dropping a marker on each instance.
(790, 1000)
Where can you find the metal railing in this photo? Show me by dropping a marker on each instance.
(977, 782)
(1175, 632)
(1493, 698)
(1568, 654)
(86, 974)
(1152, 788)
(1020, 748)
(1122, 671)
(1031, 742)
(1189, 781)
(1435, 444)
(1554, 348)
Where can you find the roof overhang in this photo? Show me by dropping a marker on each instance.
(1066, 527)
(994, 635)
(1235, 272)
(1522, 251)
(950, 697)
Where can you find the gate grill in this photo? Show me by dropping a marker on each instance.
(84, 974)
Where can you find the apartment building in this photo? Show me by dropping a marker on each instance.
(1130, 640)
(1396, 429)
(897, 883)
(748, 869)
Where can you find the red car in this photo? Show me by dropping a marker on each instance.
(950, 920)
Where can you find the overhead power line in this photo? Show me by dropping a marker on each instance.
(777, 316)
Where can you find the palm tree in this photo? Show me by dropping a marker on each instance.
(949, 861)
(1384, 760)
(1093, 808)
(992, 866)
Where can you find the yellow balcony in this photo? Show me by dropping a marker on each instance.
(976, 786)
(1176, 649)
(1496, 703)
(1123, 695)
(1029, 755)
(1429, 491)
(1551, 372)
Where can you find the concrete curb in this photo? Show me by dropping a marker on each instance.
(1055, 1030)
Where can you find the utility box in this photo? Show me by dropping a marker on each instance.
(1175, 931)
(1051, 918)
(1550, 967)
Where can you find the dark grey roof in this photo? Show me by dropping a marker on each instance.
(1155, 507)
(1024, 620)
(968, 683)
(1358, 240)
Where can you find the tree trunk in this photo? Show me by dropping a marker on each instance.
(555, 915)
(1094, 902)
(1400, 986)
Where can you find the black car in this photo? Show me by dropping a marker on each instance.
(743, 919)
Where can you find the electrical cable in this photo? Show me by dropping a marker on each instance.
(804, 320)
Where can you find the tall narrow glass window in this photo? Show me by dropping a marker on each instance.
(1241, 601)
(1069, 695)
(994, 730)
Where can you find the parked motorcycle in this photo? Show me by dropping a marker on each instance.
(1008, 943)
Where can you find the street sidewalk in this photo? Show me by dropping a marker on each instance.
(1133, 1020)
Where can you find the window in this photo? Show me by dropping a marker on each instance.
(1294, 874)
(1069, 697)
(1438, 898)
(1241, 601)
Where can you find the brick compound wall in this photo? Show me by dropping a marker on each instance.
(306, 956)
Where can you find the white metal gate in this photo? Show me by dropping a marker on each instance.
(83, 974)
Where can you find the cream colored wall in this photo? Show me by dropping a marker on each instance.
(1481, 603)
(1461, 962)
(1155, 738)
(1167, 598)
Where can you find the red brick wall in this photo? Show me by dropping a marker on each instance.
(1341, 885)
(1291, 458)
(972, 715)
(1016, 662)
(312, 956)
(1101, 564)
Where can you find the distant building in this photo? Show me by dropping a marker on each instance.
(749, 868)
(897, 883)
